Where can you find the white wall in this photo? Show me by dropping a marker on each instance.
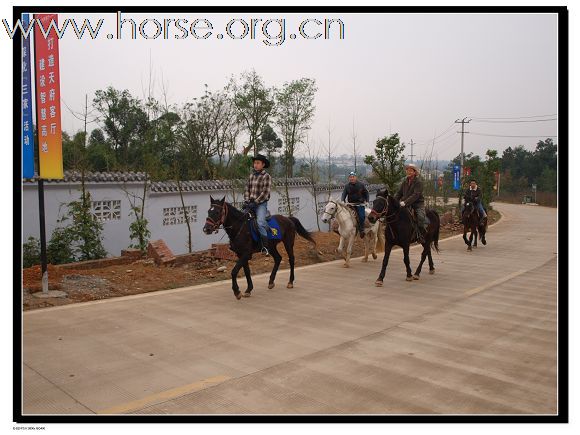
(116, 232)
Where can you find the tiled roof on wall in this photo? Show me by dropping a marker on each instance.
(171, 186)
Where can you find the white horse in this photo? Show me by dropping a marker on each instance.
(347, 228)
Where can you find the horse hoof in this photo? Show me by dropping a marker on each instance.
(365, 260)
(378, 283)
(416, 277)
(290, 285)
(409, 278)
(346, 265)
(484, 242)
(374, 256)
(238, 295)
(271, 285)
(247, 294)
(469, 248)
(432, 272)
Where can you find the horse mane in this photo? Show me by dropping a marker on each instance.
(236, 213)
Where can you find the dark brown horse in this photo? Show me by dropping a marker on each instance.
(399, 231)
(237, 226)
(471, 223)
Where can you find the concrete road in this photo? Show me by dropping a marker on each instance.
(478, 337)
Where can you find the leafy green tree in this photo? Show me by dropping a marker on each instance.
(81, 239)
(255, 105)
(125, 123)
(388, 162)
(294, 113)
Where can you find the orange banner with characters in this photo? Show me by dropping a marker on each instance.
(48, 98)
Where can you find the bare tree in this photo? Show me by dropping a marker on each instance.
(313, 174)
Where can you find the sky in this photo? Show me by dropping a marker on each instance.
(412, 74)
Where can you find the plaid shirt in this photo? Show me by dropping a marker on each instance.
(258, 187)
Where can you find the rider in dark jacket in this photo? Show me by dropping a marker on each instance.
(410, 194)
(357, 195)
(473, 194)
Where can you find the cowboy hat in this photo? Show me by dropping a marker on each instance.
(412, 166)
(262, 159)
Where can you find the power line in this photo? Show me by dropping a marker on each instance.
(507, 135)
(517, 117)
(511, 122)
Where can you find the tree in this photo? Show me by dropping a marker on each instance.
(255, 104)
(125, 123)
(294, 112)
(388, 163)
(271, 143)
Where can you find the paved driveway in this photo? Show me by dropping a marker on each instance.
(479, 336)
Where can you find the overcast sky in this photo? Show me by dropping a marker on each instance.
(414, 74)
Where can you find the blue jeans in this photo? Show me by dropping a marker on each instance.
(261, 212)
(360, 209)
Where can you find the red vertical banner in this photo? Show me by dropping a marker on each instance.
(467, 172)
(48, 97)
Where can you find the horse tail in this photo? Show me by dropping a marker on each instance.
(303, 232)
(437, 221)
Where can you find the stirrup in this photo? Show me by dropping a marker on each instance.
(265, 251)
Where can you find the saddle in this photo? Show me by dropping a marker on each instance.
(274, 232)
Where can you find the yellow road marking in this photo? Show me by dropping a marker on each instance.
(496, 282)
(164, 395)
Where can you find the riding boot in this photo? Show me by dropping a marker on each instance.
(264, 243)
(421, 234)
(482, 220)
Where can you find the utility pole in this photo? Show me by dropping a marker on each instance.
(463, 122)
(354, 143)
(412, 155)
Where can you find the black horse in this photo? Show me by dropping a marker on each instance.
(471, 222)
(399, 231)
(237, 226)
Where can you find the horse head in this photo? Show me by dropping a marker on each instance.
(380, 206)
(216, 215)
(329, 210)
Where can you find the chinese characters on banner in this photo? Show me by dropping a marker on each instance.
(456, 180)
(27, 124)
(48, 100)
(467, 172)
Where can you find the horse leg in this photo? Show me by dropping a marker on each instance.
(475, 236)
(366, 246)
(407, 262)
(374, 244)
(379, 281)
(277, 259)
(248, 291)
(482, 233)
(340, 245)
(235, 287)
(431, 265)
(465, 234)
(423, 256)
(289, 245)
(349, 250)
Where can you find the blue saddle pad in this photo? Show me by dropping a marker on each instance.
(274, 233)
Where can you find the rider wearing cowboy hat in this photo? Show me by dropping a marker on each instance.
(257, 195)
(410, 194)
(357, 195)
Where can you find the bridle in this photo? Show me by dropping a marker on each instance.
(223, 215)
(335, 210)
(389, 218)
